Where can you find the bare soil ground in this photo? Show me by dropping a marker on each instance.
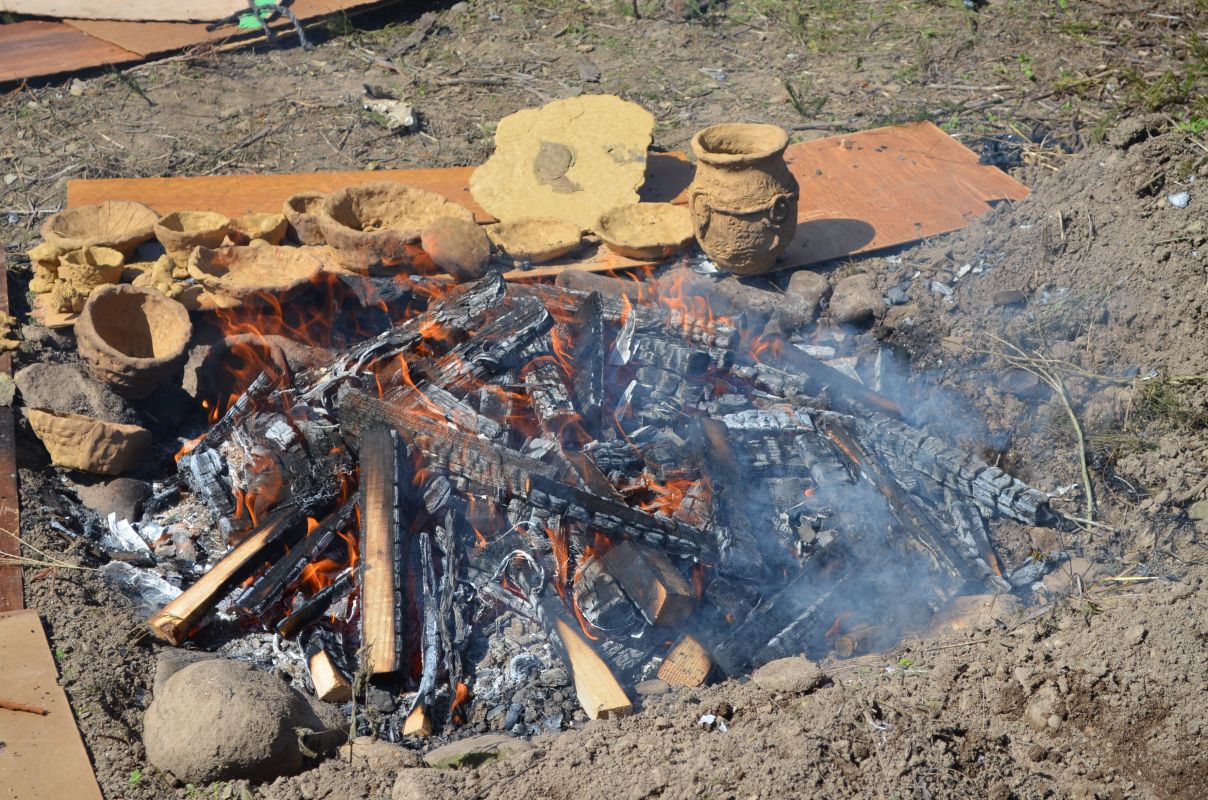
(1097, 693)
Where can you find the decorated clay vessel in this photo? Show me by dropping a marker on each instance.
(743, 199)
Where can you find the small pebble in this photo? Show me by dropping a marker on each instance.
(1179, 199)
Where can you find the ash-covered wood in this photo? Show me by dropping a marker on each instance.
(651, 581)
(587, 350)
(316, 605)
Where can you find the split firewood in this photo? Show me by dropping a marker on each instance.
(383, 518)
(331, 685)
(181, 616)
(418, 722)
(651, 581)
(597, 690)
(687, 663)
(315, 606)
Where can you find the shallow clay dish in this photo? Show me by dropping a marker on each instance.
(262, 227)
(92, 266)
(646, 230)
(181, 231)
(132, 337)
(78, 442)
(375, 227)
(535, 241)
(233, 276)
(120, 224)
(302, 213)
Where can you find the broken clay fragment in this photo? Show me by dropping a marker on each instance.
(92, 445)
(119, 224)
(571, 159)
(132, 337)
(535, 241)
(82, 271)
(458, 247)
(646, 230)
(374, 227)
(302, 213)
(181, 231)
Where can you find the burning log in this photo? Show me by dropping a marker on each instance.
(587, 352)
(384, 493)
(177, 619)
(651, 581)
(614, 288)
(552, 403)
(601, 600)
(429, 640)
(687, 663)
(267, 590)
(316, 605)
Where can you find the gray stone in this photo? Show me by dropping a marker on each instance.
(855, 300)
(652, 688)
(476, 751)
(1199, 510)
(378, 755)
(121, 496)
(68, 389)
(1043, 708)
(794, 675)
(810, 286)
(220, 720)
(1010, 297)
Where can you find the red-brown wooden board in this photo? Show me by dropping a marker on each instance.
(34, 48)
(11, 598)
(860, 192)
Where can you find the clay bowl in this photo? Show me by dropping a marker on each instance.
(375, 227)
(181, 231)
(132, 337)
(233, 276)
(91, 267)
(92, 445)
(258, 227)
(535, 241)
(118, 224)
(647, 231)
(302, 213)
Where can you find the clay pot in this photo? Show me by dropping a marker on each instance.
(646, 230)
(743, 199)
(458, 247)
(535, 241)
(269, 228)
(302, 213)
(132, 337)
(233, 276)
(92, 445)
(82, 271)
(118, 224)
(181, 231)
(375, 227)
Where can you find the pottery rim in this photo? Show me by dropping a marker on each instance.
(739, 143)
(182, 325)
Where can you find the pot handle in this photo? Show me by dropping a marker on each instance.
(699, 208)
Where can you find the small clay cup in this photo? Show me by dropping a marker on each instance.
(743, 199)
(181, 231)
(536, 241)
(132, 337)
(375, 227)
(302, 213)
(269, 228)
(118, 224)
(91, 267)
(646, 231)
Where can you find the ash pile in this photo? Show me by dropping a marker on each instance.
(516, 502)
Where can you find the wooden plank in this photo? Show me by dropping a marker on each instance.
(157, 38)
(595, 687)
(35, 49)
(11, 594)
(134, 10)
(381, 592)
(687, 663)
(44, 756)
(861, 192)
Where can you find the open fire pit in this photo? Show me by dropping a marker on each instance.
(460, 501)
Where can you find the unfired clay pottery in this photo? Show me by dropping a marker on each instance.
(235, 275)
(571, 159)
(458, 247)
(375, 227)
(646, 230)
(258, 227)
(302, 213)
(535, 241)
(181, 231)
(743, 199)
(120, 224)
(44, 259)
(132, 337)
(82, 271)
(78, 442)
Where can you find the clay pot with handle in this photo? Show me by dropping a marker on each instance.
(743, 199)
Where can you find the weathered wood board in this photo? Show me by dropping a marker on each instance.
(34, 48)
(859, 192)
(11, 597)
(133, 10)
(44, 757)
